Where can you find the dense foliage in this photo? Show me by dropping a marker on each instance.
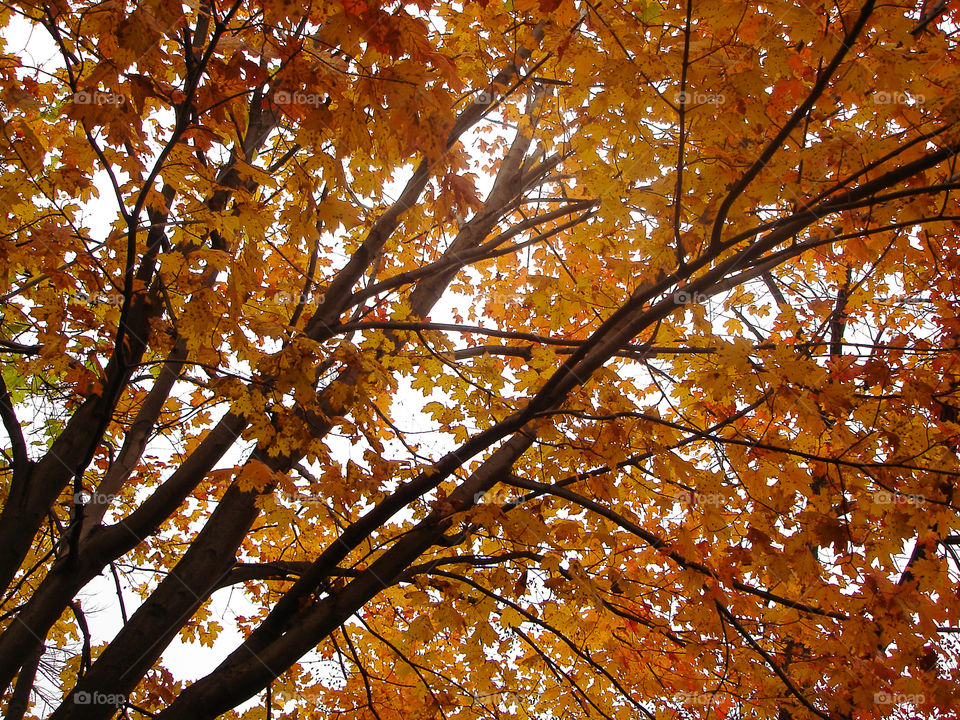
(536, 359)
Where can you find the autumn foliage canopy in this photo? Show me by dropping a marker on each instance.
(528, 359)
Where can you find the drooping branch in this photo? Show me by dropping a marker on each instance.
(21, 461)
(825, 76)
(663, 546)
(778, 671)
(534, 620)
(135, 440)
(172, 606)
(20, 698)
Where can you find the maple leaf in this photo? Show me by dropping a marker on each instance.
(507, 358)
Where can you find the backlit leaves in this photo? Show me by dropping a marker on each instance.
(436, 332)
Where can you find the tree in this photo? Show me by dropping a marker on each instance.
(540, 359)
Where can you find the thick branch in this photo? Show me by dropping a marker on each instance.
(799, 114)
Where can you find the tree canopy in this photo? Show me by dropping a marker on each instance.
(538, 359)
